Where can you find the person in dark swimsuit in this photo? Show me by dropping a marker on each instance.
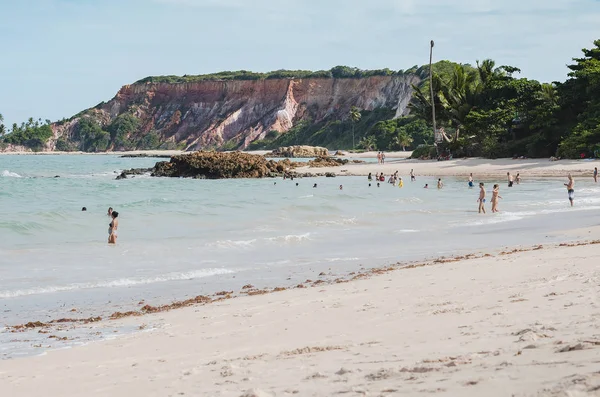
(112, 228)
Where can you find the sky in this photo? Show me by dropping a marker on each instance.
(58, 57)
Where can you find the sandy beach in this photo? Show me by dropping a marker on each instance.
(507, 324)
(528, 168)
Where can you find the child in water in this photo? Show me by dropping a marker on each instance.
(400, 183)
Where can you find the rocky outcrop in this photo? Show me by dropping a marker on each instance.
(299, 151)
(218, 165)
(234, 113)
(326, 162)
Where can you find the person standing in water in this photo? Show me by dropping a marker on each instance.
(378, 157)
(412, 175)
(110, 211)
(571, 189)
(596, 174)
(400, 183)
(440, 184)
(518, 178)
(113, 227)
(471, 180)
(510, 179)
(370, 177)
(481, 199)
(382, 158)
(495, 197)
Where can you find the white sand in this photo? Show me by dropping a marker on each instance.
(462, 167)
(493, 326)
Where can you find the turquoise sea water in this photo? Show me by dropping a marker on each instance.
(181, 237)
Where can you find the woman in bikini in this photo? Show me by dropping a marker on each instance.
(495, 197)
(112, 228)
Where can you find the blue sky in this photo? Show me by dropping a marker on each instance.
(61, 56)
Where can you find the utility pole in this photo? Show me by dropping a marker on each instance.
(435, 137)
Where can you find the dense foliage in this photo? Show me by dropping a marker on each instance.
(342, 72)
(32, 134)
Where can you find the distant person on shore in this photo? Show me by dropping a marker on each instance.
(571, 189)
(382, 158)
(110, 211)
(112, 228)
(440, 184)
(412, 175)
(481, 198)
(370, 177)
(400, 183)
(518, 179)
(495, 197)
(510, 179)
(378, 157)
(596, 174)
(471, 180)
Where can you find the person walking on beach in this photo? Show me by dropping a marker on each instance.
(495, 197)
(471, 180)
(481, 199)
(440, 184)
(510, 179)
(113, 227)
(571, 189)
(378, 157)
(412, 175)
(596, 174)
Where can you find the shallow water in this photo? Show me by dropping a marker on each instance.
(181, 237)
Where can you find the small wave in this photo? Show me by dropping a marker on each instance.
(232, 243)
(123, 282)
(341, 259)
(344, 221)
(8, 174)
(307, 196)
(406, 231)
(290, 238)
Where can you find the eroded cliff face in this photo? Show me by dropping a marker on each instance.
(212, 113)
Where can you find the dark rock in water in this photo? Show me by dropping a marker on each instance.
(144, 155)
(133, 171)
(57, 176)
(219, 165)
(327, 162)
(330, 174)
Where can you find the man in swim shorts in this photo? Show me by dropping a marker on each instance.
(571, 189)
(471, 180)
(481, 198)
(510, 179)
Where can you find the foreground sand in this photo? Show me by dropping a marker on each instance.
(462, 167)
(522, 324)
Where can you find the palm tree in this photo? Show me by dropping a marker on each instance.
(2, 129)
(404, 140)
(355, 117)
(460, 96)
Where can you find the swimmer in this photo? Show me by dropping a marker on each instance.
(510, 179)
(110, 211)
(84, 209)
(369, 185)
(296, 183)
(481, 198)
(377, 184)
(314, 186)
(596, 174)
(570, 189)
(440, 184)
(471, 180)
(495, 197)
(274, 183)
(400, 183)
(412, 176)
(370, 177)
(426, 186)
(341, 187)
(112, 228)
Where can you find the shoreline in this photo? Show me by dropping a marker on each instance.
(398, 327)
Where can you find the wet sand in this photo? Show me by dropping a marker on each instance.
(507, 323)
